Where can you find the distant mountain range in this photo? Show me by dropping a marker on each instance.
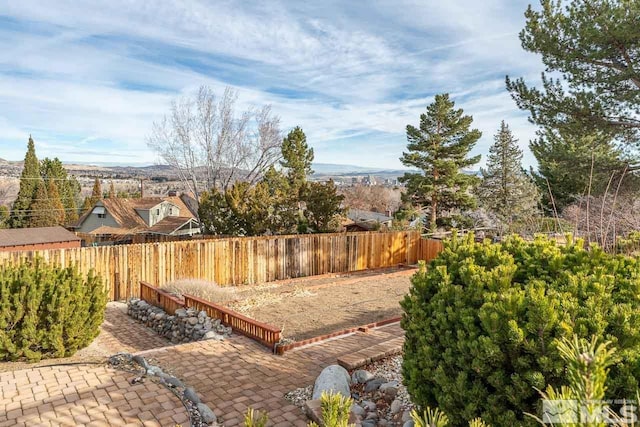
(331, 169)
(321, 170)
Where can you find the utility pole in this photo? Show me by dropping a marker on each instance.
(142, 188)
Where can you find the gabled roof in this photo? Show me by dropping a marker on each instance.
(106, 230)
(124, 212)
(170, 224)
(358, 215)
(35, 236)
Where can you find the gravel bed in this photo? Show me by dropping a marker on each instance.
(391, 370)
(300, 395)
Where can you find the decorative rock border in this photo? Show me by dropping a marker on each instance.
(380, 399)
(185, 326)
(200, 415)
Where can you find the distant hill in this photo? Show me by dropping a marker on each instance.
(337, 169)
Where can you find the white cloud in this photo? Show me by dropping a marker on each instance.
(106, 70)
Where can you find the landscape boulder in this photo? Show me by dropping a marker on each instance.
(333, 378)
(361, 376)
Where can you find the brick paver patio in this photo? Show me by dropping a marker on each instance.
(120, 332)
(237, 373)
(79, 395)
(229, 376)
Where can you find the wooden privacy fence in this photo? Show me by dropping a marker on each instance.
(240, 260)
(265, 334)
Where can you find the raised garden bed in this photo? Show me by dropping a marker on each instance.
(313, 307)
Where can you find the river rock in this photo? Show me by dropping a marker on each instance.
(361, 376)
(190, 394)
(210, 335)
(358, 410)
(373, 385)
(333, 378)
(207, 415)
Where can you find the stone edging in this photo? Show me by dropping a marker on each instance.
(200, 415)
(187, 325)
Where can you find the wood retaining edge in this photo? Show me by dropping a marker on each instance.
(281, 349)
(263, 333)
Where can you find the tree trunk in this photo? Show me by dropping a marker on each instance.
(434, 217)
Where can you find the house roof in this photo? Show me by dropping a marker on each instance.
(35, 236)
(169, 224)
(124, 212)
(106, 230)
(358, 215)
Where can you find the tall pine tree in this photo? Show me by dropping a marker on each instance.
(593, 47)
(297, 158)
(505, 189)
(439, 147)
(566, 162)
(96, 196)
(68, 187)
(28, 182)
(57, 208)
(4, 216)
(112, 191)
(41, 208)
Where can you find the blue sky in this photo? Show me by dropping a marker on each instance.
(87, 79)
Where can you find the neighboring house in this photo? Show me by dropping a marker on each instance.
(367, 220)
(37, 238)
(169, 216)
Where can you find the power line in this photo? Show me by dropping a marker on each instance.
(65, 179)
(42, 210)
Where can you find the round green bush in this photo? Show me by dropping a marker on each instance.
(48, 311)
(481, 320)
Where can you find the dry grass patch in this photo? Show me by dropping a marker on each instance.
(202, 289)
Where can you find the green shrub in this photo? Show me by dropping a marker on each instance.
(482, 324)
(48, 311)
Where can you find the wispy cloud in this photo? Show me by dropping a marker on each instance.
(87, 80)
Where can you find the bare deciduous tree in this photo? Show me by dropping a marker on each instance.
(374, 198)
(211, 145)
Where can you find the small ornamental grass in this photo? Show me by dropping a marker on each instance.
(202, 289)
(48, 311)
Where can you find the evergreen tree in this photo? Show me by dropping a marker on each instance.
(28, 183)
(96, 194)
(505, 189)
(86, 205)
(323, 206)
(41, 208)
(71, 208)
(4, 216)
(565, 166)
(297, 158)
(57, 208)
(283, 214)
(112, 191)
(594, 46)
(439, 148)
(68, 187)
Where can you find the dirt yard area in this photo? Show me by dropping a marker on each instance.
(309, 307)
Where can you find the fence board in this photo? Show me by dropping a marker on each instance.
(234, 261)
